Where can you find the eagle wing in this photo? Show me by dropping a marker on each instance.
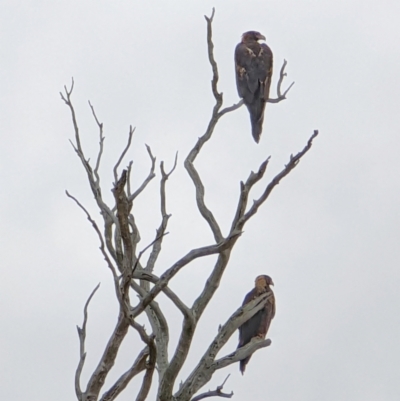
(253, 65)
(268, 314)
(249, 329)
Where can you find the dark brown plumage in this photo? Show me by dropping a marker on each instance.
(258, 325)
(253, 66)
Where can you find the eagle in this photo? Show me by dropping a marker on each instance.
(253, 67)
(258, 325)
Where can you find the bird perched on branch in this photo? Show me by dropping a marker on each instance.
(257, 325)
(253, 66)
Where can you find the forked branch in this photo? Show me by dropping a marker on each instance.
(281, 96)
(214, 393)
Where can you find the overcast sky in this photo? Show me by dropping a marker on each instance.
(328, 235)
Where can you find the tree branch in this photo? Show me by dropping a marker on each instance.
(241, 353)
(82, 352)
(200, 192)
(142, 275)
(177, 266)
(147, 379)
(107, 360)
(138, 366)
(159, 326)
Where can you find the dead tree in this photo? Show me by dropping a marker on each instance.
(119, 238)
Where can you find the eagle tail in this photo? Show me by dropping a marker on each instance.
(256, 129)
(256, 111)
(243, 363)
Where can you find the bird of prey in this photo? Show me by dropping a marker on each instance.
(253, 67)
(258, 325)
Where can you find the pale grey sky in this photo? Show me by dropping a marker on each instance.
(328, 235)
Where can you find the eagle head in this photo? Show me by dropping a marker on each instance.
(263, 282)
(252, 36)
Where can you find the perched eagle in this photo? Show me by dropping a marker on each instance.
(258, 325)
(253, 65)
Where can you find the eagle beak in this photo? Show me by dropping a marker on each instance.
(261, 37)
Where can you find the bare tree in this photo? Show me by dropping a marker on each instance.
(119, 238)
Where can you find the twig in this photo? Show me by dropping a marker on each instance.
(164, 216)
(214, 82)
(215, 393)
(101, 145)
(282, 75)
(165, 177)
(146, 248)
(245, 191)
(82, 337)
(67, 100)
(128, 179)
(231, 108)
(148, 178)
(102, 247)
(131, 131)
